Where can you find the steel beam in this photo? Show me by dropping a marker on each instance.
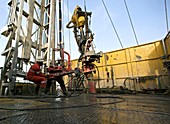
(12, 72)
(27, 44)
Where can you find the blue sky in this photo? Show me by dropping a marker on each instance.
(148, 17)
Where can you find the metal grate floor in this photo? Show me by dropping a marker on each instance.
(86, 109)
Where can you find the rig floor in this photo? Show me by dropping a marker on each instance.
(86, 109)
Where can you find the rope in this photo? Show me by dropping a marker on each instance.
(166, 12)
(112, 24)
(69, 30)
(131, 22)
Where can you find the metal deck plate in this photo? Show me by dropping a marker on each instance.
(86, 109)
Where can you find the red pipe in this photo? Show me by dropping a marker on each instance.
(69, 61)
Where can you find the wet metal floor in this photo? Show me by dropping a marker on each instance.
(86, 109)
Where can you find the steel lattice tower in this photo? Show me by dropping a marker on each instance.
(30, 33)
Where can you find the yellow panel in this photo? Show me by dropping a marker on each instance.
(119, 82)
(168, 45)
(103, 72)
(129, 67)
(146, 68)
(159, 49)
(127, 55)
(132, 54)
(134, 69)
(155, 67)
(140, 68)
(106, 59)
(116, 57)
(143, 52)
(121, 71)
(162, 69)
(143, 60)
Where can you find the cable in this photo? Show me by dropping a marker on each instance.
(98, 77)
(80, 80)
(112, 24)
(131, 22)
(166, 12)
(85, 5)
(67, 107)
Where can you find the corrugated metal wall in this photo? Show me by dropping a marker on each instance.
(141, 66)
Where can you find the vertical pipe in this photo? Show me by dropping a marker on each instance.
(60, 34)
(106, 68)
(112, 76)
(51, 34)
(60, 25)
(126, 57)
(159, 82)
(69, 30)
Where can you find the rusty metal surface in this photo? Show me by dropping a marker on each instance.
(86, 109)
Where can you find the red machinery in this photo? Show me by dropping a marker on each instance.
(84, 39)
(59, 68)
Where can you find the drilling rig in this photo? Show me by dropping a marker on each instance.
(84, 37)
(30, 32)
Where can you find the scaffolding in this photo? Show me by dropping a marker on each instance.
(30, 32)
